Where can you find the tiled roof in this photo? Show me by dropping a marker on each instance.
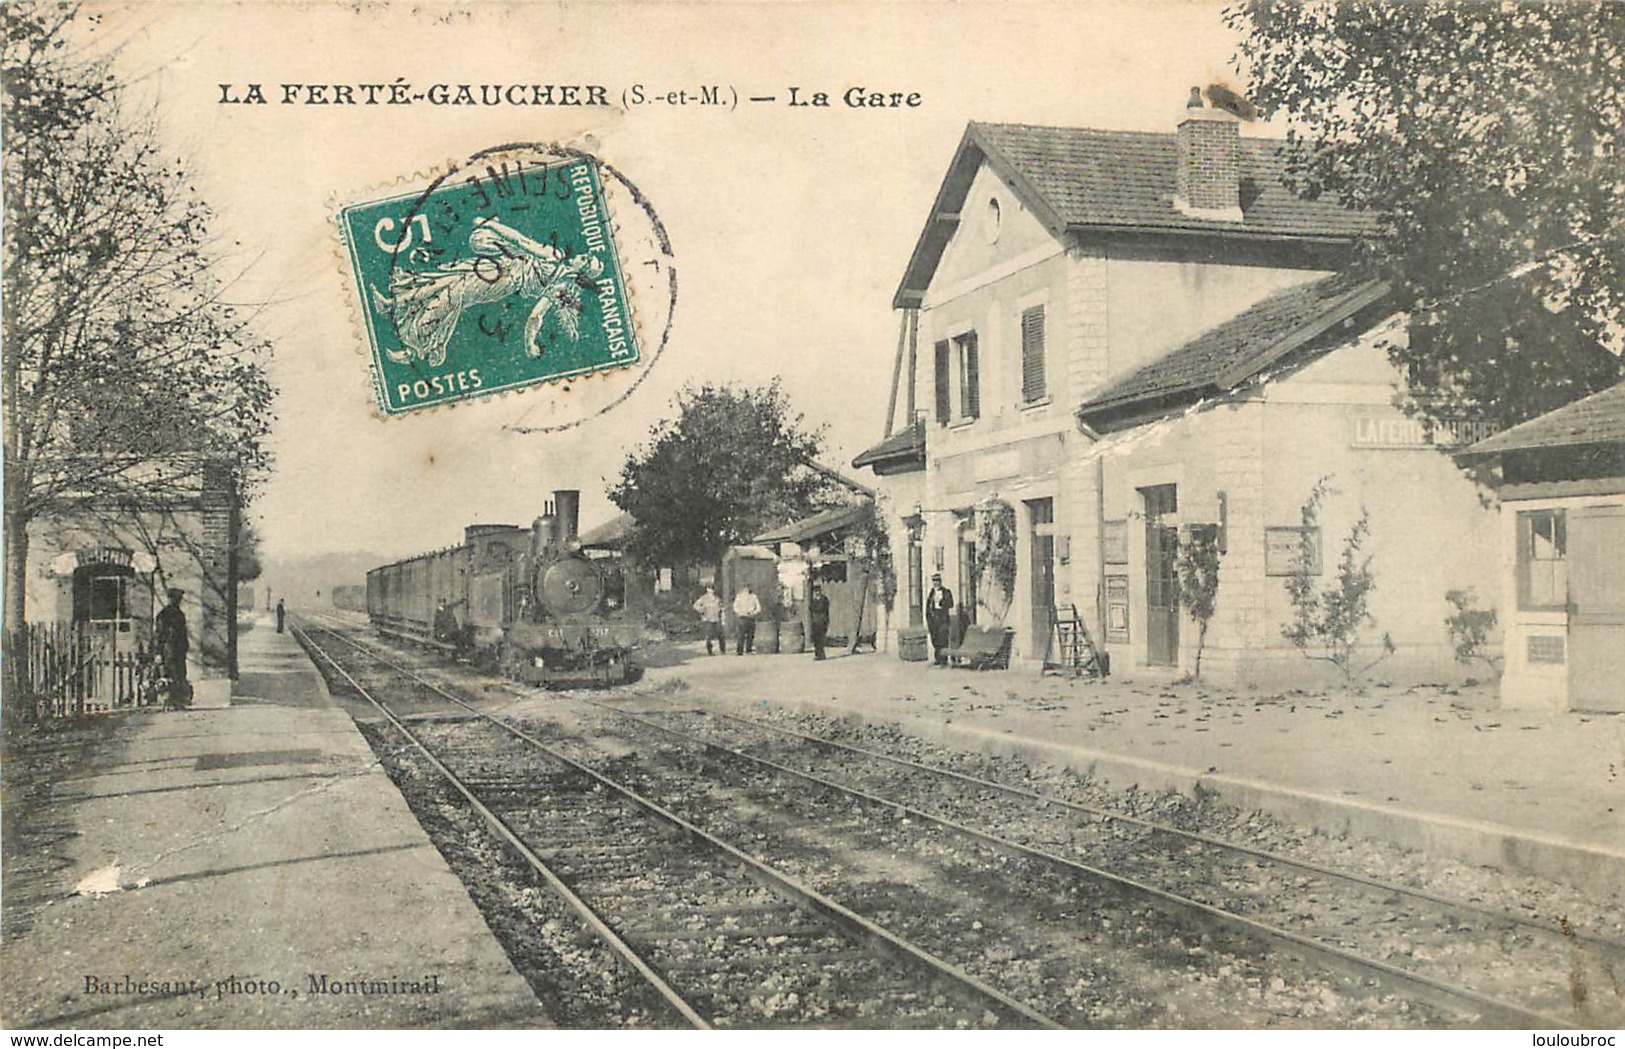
(1126, 178)
(609, 535)
(818, 524)
(1597, 419)
(1239, 349)
(1086, 179)
(902, 446)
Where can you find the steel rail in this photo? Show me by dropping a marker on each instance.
(1435, 992)
(1457, 906)
(811, 899)
(595, 922)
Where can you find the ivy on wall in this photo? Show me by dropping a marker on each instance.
(996, 547)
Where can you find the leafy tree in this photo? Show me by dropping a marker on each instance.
(1485, 138)
(1199, 581)
(1329, 624)
(250, 565)
(122, 357)
(732, 463)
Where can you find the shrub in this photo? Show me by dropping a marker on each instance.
(1470, 628)
(1199, 581)
(1328, 624)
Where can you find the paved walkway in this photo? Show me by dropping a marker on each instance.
(235, 855)
(1435, 769)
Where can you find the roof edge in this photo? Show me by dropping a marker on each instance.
(1350, 303)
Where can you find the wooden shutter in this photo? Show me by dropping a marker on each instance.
(944, 386)
(972, 394)
(1032, 354)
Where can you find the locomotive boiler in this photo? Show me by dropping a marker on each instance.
(525, 601)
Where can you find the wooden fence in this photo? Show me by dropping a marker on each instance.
(55, 670)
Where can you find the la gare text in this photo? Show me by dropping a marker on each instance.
(402, 92)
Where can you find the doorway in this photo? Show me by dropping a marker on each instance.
(1041, 512)
(109, 607)
(1161, 576)
(1596, 583)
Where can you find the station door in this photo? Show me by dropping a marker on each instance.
(1596, 656)
(1161, 576)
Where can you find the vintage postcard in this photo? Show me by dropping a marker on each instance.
(892, 515)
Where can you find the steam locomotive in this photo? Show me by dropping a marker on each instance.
(522, 600)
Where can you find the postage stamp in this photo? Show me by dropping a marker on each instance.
(501, 274)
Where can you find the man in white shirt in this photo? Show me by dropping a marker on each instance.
(709, 606)
(746, 609)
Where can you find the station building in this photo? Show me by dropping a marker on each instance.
(99, 569)
(1561, 481)
(1111, 339)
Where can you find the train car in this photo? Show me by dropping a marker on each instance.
(523, 600)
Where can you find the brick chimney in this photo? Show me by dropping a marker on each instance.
(1207, 180)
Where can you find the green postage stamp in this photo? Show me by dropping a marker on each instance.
(500, 275)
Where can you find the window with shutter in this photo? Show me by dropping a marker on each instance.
(943, 384)
(1033, 386)
(970, 396)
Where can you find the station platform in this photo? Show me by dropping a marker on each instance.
(242, 866)
(1438, 769)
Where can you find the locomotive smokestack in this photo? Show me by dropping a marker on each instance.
(567, 503)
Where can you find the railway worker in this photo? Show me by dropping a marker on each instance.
(939, 607)
(818, 616)
(169, 636)
(281, 615)
(746, 609)
(709, 606)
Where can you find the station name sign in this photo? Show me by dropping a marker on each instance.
(1397, 431)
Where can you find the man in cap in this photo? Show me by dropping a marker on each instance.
(939, 607)
(818, 615)
(169, 635)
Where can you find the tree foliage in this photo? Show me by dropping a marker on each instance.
(731, 464)
(121, 348)
(1485, 139)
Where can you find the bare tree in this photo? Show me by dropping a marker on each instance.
(122, 356)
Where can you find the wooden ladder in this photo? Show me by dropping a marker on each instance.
(1072, 649)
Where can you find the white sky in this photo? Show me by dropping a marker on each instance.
(790, 228)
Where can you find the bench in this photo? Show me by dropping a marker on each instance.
(983, 648)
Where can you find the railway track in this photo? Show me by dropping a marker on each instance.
(1508, 969)
(717, 936)
(1194, 889)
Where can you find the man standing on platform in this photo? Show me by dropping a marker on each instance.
(939, 607)
(746, 609)
(818, 615)
(281, 615)
(709, 606)
(169, 635)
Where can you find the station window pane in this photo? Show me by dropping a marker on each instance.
(1543, 579)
